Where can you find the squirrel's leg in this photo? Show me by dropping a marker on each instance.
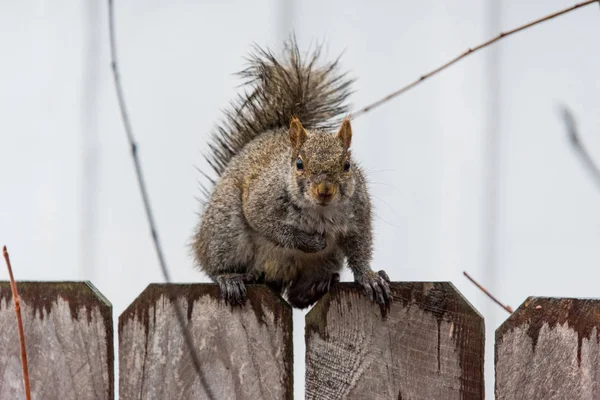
(375, 285)
(306, 291)
(223, 245)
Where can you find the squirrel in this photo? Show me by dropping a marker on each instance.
(290, 204)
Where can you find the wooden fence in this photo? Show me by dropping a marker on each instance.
(429, 345)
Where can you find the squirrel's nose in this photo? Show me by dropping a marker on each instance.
(325, 190)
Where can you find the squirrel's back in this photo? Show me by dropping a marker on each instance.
(277, 90)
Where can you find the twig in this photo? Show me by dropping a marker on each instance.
(578, 145)
(15, 294)
(146, 199)
(467, 53)
(484, 290)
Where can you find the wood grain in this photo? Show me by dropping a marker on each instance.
(549, 349)
(245, 353)
(429, 346)
(69, 337)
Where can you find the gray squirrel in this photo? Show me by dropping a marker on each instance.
(290, 204)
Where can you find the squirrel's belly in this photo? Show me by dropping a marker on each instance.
(281, 264)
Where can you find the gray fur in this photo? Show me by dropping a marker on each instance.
(268, 219)
(278, 90)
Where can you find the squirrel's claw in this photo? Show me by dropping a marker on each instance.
(376, 287)
(384, 275)
(233, 289)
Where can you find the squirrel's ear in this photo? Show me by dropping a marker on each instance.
(297, 133)
(345, 133)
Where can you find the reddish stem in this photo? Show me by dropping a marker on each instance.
(15, 294)
(484, 290)
(468, 52)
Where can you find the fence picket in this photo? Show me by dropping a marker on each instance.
(69, 337)
(245, 353)
(429, 346)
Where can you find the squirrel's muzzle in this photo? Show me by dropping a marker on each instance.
(325, 192)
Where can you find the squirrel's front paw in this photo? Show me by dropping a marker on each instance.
(313, 243)
(376, 286)
(233, 288)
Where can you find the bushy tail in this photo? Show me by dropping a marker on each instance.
(278, 90)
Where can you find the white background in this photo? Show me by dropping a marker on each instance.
(70, 208)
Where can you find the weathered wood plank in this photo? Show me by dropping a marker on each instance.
(549, 349)
(69, 337)
(429, 346)
(245, 353)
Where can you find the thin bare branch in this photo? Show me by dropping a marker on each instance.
(579, 147)
(484, 290)
(15, 294)
(468, 52)
(145, 197)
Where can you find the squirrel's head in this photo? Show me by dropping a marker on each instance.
(322, 171)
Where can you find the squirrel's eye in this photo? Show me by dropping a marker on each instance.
(347, 166)
(299, 164)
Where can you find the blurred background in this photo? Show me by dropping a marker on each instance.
(470, 171)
